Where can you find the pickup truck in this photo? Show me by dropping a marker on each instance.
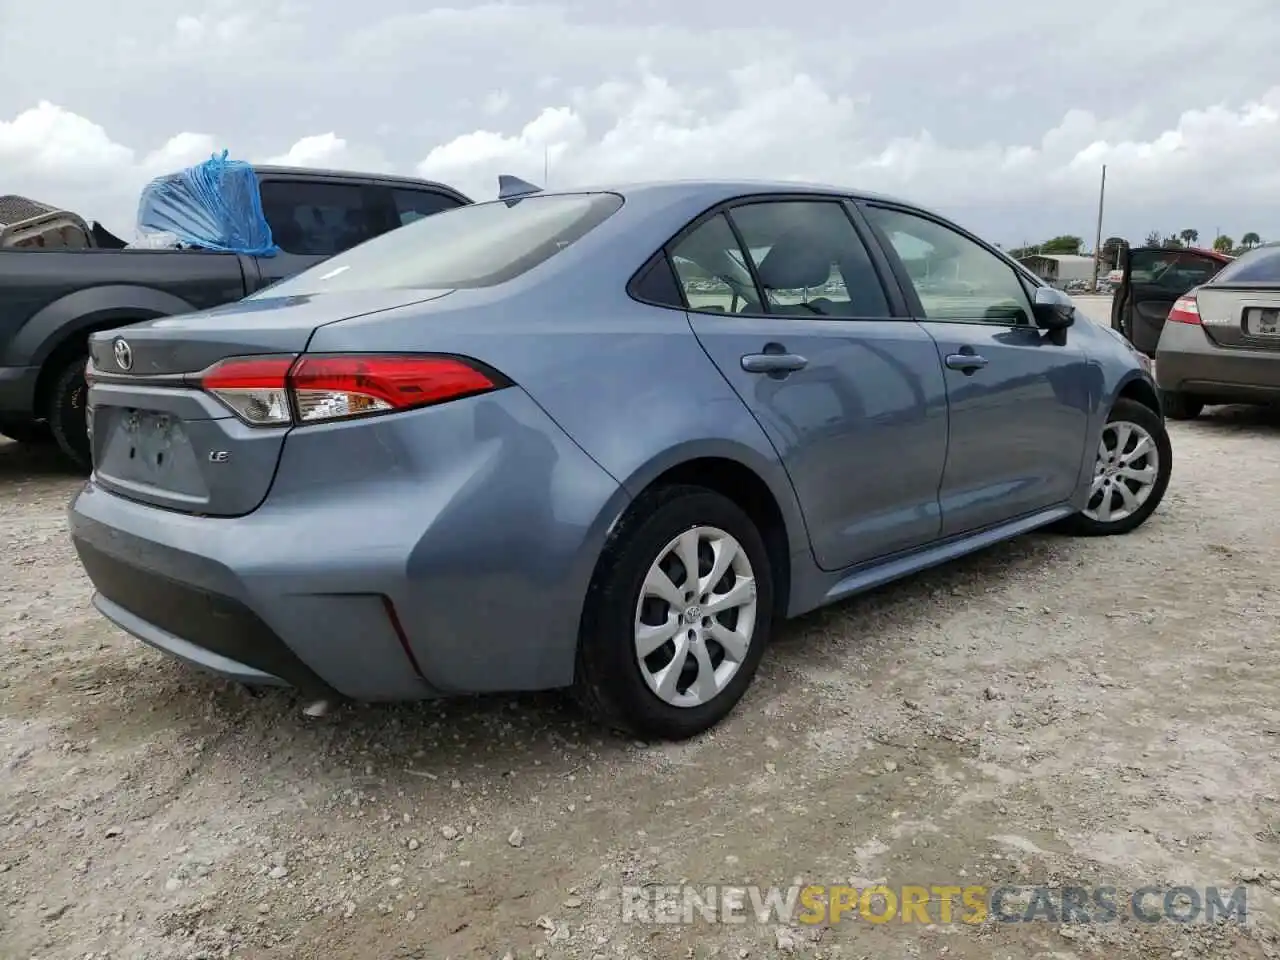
(52, 299)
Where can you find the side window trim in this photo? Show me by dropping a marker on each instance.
(904, 278)
(762, 297)
(899, 304)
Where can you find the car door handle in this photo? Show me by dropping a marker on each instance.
(773, 363)
(966, 362)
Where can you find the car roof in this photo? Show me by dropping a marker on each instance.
(718, 191)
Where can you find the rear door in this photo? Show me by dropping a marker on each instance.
(1240, 307)
(1153, 278)
(791, 306)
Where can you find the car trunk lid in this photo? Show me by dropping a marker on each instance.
(158, 438)
(1241, 315)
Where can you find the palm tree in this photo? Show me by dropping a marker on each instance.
(1223, 244)
(1250, 240)
(1189, 237)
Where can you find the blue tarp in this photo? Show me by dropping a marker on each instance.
(214, 205)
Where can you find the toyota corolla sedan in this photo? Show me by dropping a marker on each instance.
(599, 439)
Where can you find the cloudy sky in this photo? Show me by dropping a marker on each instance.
(997, 113)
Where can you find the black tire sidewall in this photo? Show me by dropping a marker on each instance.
(608, 627)
(66, 413)
(1131, 411)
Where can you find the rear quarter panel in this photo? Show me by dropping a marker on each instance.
(628, 383)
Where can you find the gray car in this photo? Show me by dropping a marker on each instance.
(1221, 342)
(602, 439)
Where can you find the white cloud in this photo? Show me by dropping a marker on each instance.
(330, 151)
(766, 123)
(59, 157)
(1211, 166)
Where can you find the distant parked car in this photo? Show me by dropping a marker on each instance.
(508, 447)
(1222, 341)
(1152, 278)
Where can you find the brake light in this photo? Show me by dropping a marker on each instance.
(278, 391)
(1185, 310)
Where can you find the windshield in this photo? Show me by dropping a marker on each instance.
(478, 245)
(1259, 265)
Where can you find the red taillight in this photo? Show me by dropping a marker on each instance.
(1185, 310)
(277, 391)
(255, 388)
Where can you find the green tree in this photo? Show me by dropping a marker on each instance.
(1223, 244)
(1189, 237)
(1065, 244)
(1153, 239)
(1250, 240)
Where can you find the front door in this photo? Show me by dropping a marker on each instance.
(1019, 398)
(786, 300)
(1153, 278)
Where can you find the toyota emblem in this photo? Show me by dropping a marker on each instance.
(124, 354)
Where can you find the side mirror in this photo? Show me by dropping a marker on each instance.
(1053, 309)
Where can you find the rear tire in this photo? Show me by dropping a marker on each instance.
(1179, 406)
(1128, 484)
(66, 414)
(25, 431)
(612, 681)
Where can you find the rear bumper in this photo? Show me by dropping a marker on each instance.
(18, 391)
(1188, 362)
(374, 568)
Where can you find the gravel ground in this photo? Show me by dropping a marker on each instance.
(1050, 711)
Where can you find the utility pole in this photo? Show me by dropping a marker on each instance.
(1097, 245)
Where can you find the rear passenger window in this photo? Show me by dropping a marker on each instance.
(411, 205)
(809, 259)
(317, 219)
(1172, 269)
(712, 270)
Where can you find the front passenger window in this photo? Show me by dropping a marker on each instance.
(954, 277)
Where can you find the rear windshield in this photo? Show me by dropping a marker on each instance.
(1260, 265)
(478, 245)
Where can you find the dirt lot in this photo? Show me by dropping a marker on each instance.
(1051, 711)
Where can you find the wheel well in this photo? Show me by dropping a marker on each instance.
(64, 353)
(1140, 391)
(745, 488)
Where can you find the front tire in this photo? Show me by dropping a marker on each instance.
(1131, 473)
(66, 414)
(662, 654)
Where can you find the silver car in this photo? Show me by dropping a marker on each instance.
(1221, 342)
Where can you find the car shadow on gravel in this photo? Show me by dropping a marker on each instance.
(1241, 419)
(32, 461)
(127, 699)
